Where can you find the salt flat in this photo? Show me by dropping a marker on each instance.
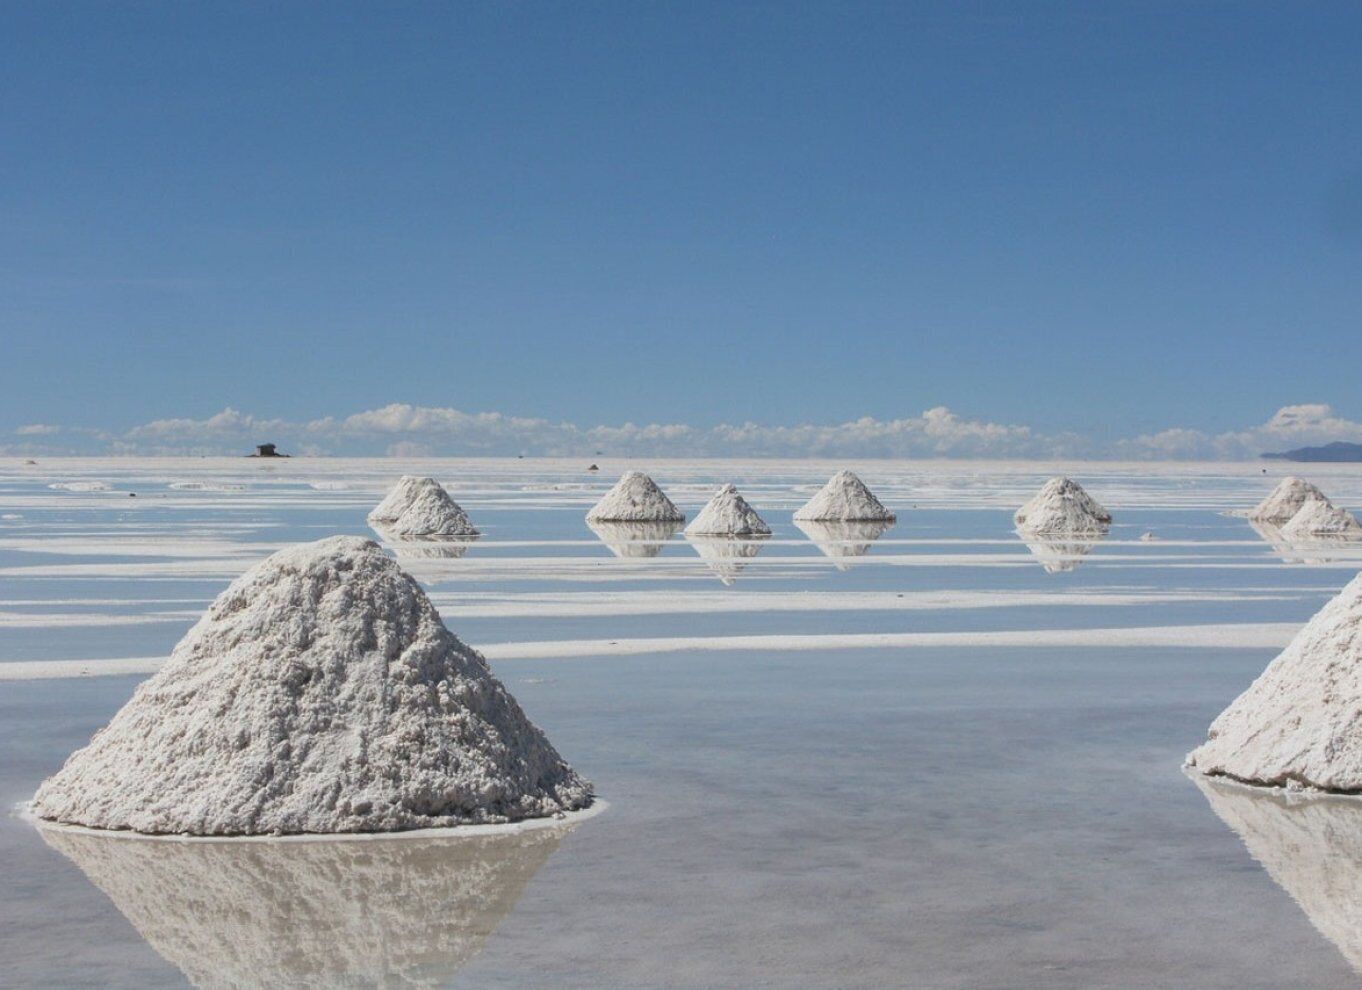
(947, 762)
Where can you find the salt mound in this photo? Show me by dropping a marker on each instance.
(1300, 722)
(387, 912)
(1285, 501)
(1062, 507)
(635, 498)
(845, 498)
(634, 539)
(1319, 518)
(843, 540)
(1310, 847)
(420, 507)
(319, 693)
(728, 514)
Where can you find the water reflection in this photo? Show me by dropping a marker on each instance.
(442, 547)
(1311, 847)
(388, 912)
(726, 556)
(843, 540)
(1318, 550)
(634, 539)
(1060, 555)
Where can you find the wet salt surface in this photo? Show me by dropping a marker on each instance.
(932, 817)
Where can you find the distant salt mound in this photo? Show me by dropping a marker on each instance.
(845, 498)
(319, 693)
(1300, 722)
(728, 514)
(79, 486)
(1319, 519)
(1062, 508)
(1285, 501)
(382, 912)
(634, 540)
(418, 507)
(635, 498)
(843, 541)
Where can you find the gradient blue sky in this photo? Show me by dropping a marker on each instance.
(1111, 218)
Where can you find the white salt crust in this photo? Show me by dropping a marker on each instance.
(1300, 723)
(1062, 508)
(845, 498)
(420, 507)
(1285, 501)
(1320, 518)
(728, 514)
(635, 498)
(320, 693)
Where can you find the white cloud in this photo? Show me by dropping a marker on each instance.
(1303, 425)
(38, 430)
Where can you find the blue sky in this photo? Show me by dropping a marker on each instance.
(1101, 219)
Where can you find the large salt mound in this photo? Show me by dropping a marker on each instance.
(635, 498)
(1300, 722)
(319, 693)
(728, 514)
(1285, 501)
(376, 912)
(1318, 518)
(845, 498)
(1063, 508)
(418, 507)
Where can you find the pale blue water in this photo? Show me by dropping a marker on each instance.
(925, 817)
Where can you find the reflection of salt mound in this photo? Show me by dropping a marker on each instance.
(845, 498)
(1319, 519)
(728, 514)
(402, 912)
(726, 557)
(639, 539)
(1285, 501)
(420, 507)
(442, 547)
(1063, 508)
(1300, 722)
(319, 693)
(843, 540)
(635, 498)
(1310, 847)
(1058, 556)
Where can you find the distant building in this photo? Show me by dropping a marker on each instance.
(267, 450)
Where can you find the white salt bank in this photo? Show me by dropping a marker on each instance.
(1285, 501)
(845, 498)
(1320, 519)
(420, 507)
(319, 693)
(635, 498)
(1062, 508)
(1300, 723)
(728, 514)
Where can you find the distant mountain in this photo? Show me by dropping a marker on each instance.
(1335, 452)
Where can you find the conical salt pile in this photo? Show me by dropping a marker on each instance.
(1062, 508)
(1285, 501)
(845, 498)
(728, 514)
(1319, 519)
(1300, 722)
(635, 498)
(319, 693)
(420, 507)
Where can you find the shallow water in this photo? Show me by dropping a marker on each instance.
(851, 815)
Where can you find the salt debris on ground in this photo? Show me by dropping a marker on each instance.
(644, 539)
(319, 693)
(1285, 501)
(1300, 723)
(845, 498)
(419, 507)
(381, 912)
(635, 498)
(1062, 508)
(728, 514)
(1318, 518)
